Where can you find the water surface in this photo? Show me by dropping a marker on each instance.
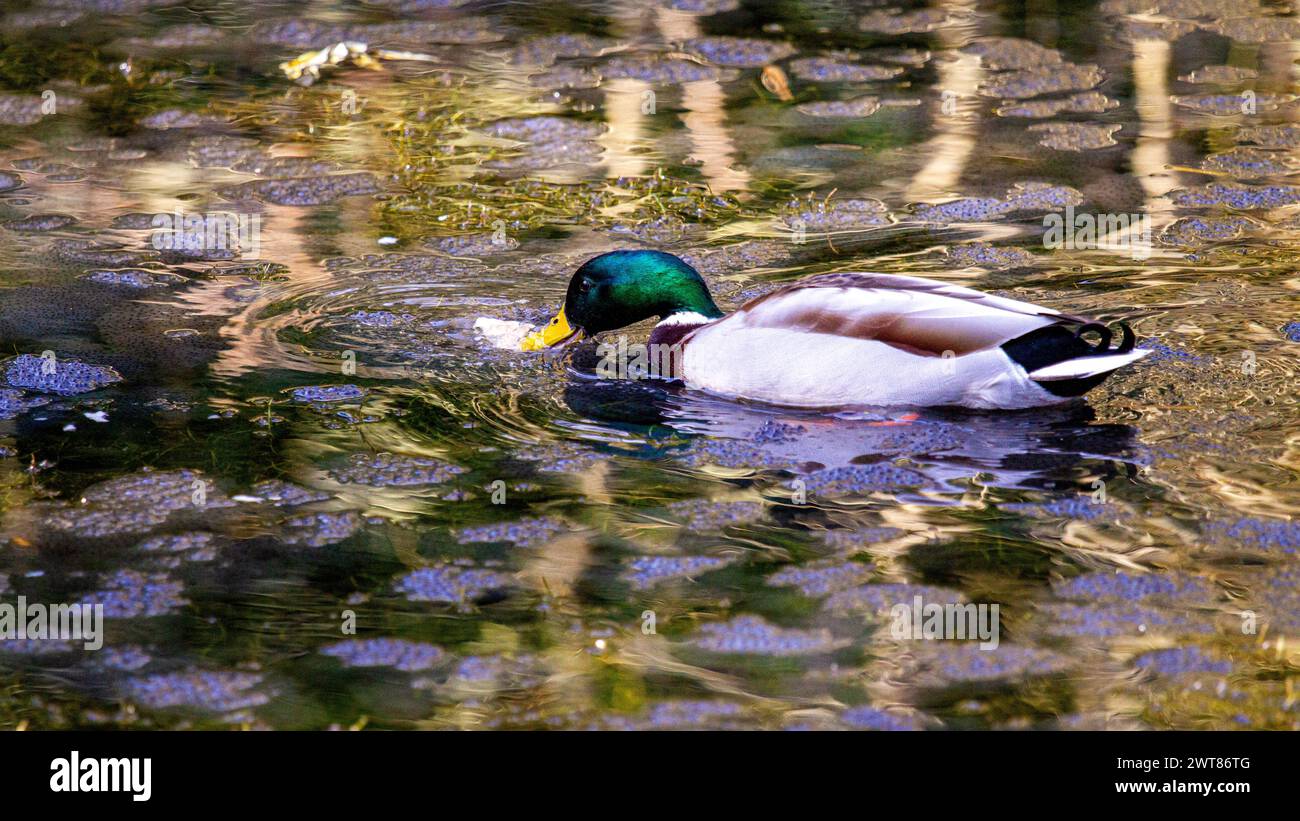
(310, 495)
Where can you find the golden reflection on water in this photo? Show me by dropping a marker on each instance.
(955, 121)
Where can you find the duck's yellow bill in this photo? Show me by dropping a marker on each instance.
(556, 331)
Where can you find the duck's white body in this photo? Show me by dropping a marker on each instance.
(873, 339)
(779, 368)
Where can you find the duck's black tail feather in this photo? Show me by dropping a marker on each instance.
(1064, 363)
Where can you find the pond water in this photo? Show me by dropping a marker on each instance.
(310, 494)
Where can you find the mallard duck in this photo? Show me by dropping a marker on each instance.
(845, 339)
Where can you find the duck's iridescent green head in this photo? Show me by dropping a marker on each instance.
(622, 288)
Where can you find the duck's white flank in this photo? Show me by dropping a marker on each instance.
(799, 369)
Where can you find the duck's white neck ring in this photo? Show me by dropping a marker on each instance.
(683, 318)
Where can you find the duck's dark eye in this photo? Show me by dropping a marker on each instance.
(584, 286)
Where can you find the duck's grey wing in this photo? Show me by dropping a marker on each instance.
(919, 315)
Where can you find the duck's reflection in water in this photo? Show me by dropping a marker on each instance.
(1041, 449)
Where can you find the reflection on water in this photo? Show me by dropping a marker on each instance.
(318, 498)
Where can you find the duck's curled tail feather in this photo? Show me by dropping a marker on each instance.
(1063, 363)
